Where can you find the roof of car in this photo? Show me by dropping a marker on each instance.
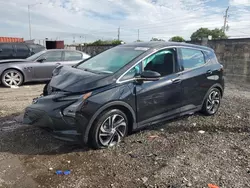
(162, 44)
(63, 50)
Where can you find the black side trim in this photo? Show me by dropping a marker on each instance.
(100, 110)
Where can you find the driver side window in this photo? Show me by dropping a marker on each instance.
(52, 56)
(162, 62)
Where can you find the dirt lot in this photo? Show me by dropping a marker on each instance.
(172, 155)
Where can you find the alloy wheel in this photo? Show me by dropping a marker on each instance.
(12, 78)
(112, 130)
(213, 102)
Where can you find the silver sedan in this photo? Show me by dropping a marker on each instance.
(39, 67)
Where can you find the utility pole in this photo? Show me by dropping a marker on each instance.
(29, 21)
(225, 20)
(118, 33)
(29, 17)
(138, 35)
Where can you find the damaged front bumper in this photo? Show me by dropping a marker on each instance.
(57, 114)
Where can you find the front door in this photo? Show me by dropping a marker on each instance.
(43, 70)
(158, 100)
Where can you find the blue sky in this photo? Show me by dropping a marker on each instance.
(89, 20)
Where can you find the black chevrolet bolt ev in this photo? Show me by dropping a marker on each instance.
(101, 99)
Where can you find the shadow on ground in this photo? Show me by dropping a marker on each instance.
(17, 138)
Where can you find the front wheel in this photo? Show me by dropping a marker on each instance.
(12, 77)
(109, 129)
(212, 102)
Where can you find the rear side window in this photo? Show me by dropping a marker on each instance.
(22, 48)
(72, 56)
(192, 58)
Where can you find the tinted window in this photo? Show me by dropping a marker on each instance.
(52, 56)
(192, 58)
(6, 47)
(72, 56)
(21, 48)
(162, 62)
(6, 51)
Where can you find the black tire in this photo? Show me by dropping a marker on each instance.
(212, 102)
(8, 74)
(97, 141)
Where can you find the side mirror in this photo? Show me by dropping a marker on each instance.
(149, 76)
(41, 60)
(1, 50)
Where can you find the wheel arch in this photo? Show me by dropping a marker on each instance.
(124, 107)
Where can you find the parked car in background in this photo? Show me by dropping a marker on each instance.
(126, 88)
(39, 67)
(18, 50)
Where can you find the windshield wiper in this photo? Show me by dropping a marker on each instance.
(90, 70)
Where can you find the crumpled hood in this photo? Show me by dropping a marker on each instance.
(12, 61)
(75, 80)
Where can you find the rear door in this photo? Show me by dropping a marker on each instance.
(43, 70)
(6, 51)
(22, 51)
(71, 57)
(194, 77)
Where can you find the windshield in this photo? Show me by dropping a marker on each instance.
(111, 60)
(35, 56)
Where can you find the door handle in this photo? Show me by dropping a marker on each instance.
(58, 63)
(209, 72)
(176, 81)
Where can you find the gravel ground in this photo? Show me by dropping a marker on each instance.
(186, 152)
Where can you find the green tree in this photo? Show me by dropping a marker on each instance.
(218, 34)
(205, 32)
(156, 39)
(177, 39)
(116, 42)
(106, 42)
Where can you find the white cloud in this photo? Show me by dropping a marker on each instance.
(97, 19)
(240, 2)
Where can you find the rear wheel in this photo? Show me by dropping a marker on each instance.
(212, 102)
(12, 77)
(109, 129)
